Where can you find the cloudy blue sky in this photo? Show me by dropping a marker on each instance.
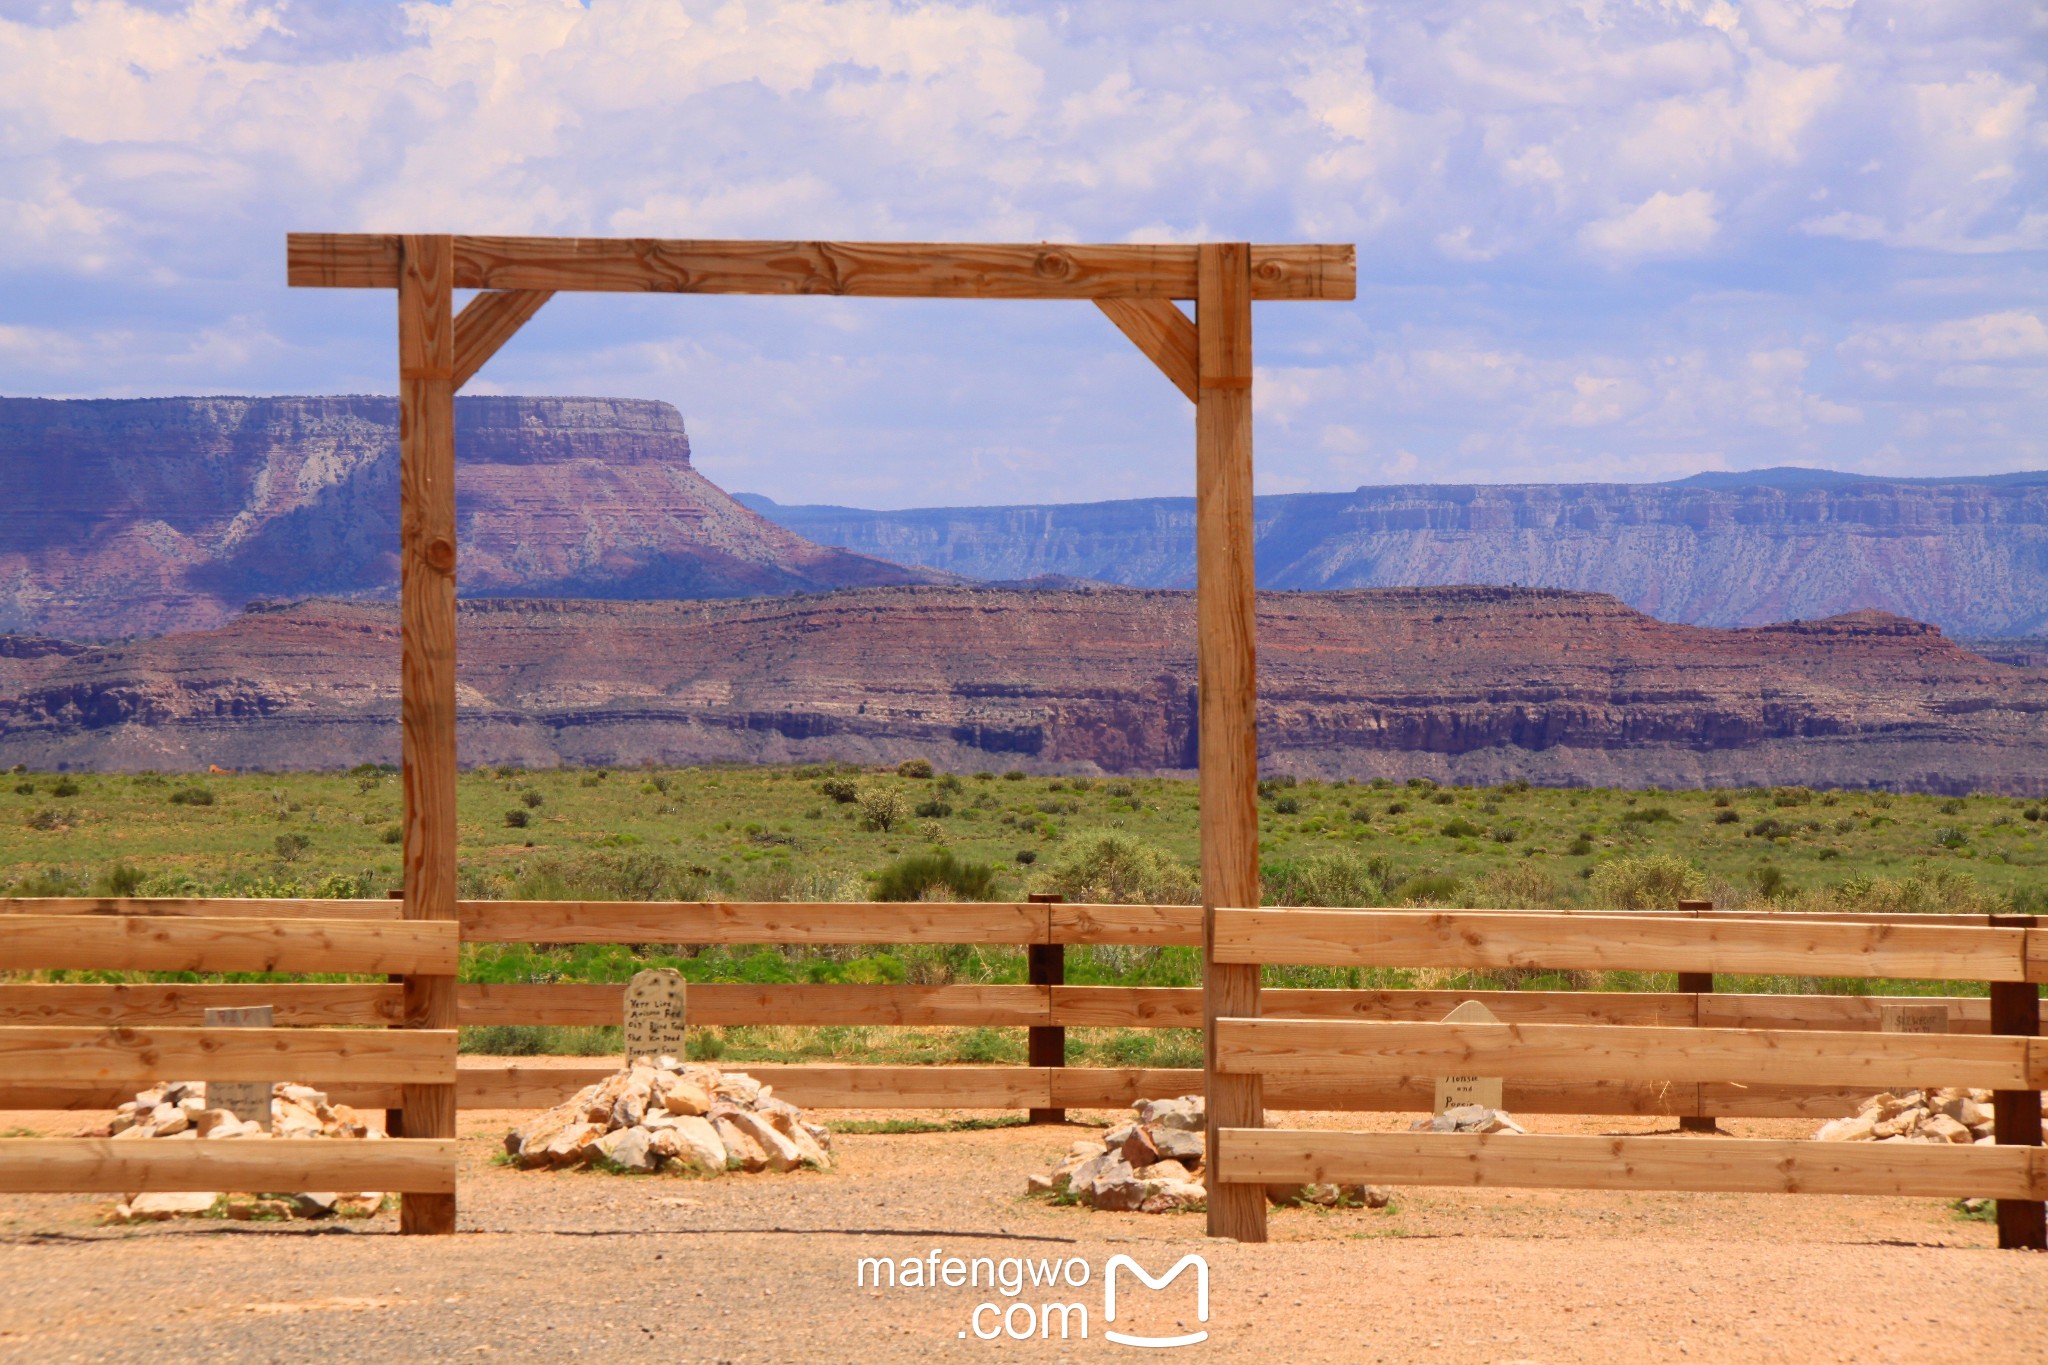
(1597, 240)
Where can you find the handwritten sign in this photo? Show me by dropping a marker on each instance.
(1452, 1091)
(1912, 1018)
(654, 1014)
(248, 1101)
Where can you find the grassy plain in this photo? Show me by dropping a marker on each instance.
(826, 833)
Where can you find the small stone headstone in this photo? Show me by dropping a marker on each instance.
(654, 1014)
(248, 1101)
(1912, 1018)
(1452, 1091)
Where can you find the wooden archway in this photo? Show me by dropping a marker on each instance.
(1209, 358)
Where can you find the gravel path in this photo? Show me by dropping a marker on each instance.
(553, 1266)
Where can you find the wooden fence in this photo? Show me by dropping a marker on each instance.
(2010, 1060)
(69, 1049)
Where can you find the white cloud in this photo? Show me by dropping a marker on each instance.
(1662, 225)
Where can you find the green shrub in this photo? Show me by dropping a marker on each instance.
(1725, 816)
(288, 847)
(516, 818)
(933, 809)
(65, 787)
(1118, 869)
(1432, 888)
(1026, 856)
(880, 808)
(1328, 879)
(1287, 805)
(840, 790)
(914, 767)
(1519, 886)
(1580, 846)
(192, 796)
(393, 834)
(532, 799)
(934, 876)
(46, 819)
(1458, 827)
(1950, 837)
(1655, 881)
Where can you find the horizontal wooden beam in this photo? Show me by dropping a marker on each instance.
(1333, 1050)
(209, 907)
(751, 922)
(1476, 938)
(295, 1002)
(32, 1054)
(813, 1087)
(1735, 1165)
(991, 1006)
(1146, 926)
(168, 943)
(103, 1166)
(866, 269)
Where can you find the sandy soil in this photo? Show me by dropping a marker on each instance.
(552, 1266)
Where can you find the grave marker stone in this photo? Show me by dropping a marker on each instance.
(246, 1100)
(655, 1014)
(1452, 1091)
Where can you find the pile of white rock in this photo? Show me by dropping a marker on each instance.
(179, 1110)
(1468, 1118)
(662, 1113)
(1948, 1115)
(1153, 1164)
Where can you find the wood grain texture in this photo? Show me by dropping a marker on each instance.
(426, 592)
(1227, 669)
(1803, 947)
(1158, 328)
(871, 269)
(1333, 1050)
(751, 922)
(498, 1086)
(191, 944)
(487, 322)
(296, 1003)
(210, 907)
(39, 1054)
(104, 1166)
(990, 1006)
(1738, 1165)
(1149, 926)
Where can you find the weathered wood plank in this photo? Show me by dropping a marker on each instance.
(487, 323)
(103, 1166)
(297, 1003)
(207, 907)
(33, 1054)
(1335, 1049)
(1158, 328)
(814, 1087)
(163, 943)
(870, 269)
(1737, 1165)
(1227, 671)
(994, 1006)
(1148, 926)
(751, 922)
(1603, 942)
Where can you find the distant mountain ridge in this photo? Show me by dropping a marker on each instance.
(1969, 554)
(139, 516)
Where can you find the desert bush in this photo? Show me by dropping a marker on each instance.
(192, 796)
(1519, 886)
(289, 847)
(880, 808)
(65, 787)
(1328, 879)
(1458, 827)
(840, 790)
(516, 818)
(1655, 881)
(1118, 869)
(1431, 888)
(934, 876)
(914, 767)
(1924, 891)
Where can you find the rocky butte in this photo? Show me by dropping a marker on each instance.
(141, 516)
(1968, 554)
(1459, 684)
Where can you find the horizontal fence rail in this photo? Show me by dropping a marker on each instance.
(1492, 939)
(150, 943)
(1333, 1050)
(1738, 1165)
(105, 1166)
(140, 1056)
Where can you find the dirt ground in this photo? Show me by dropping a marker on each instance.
(553, 1266)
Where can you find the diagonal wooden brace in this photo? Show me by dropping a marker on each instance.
(488, 322)
(1159, 329)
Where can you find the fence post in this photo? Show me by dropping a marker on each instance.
(1697, 984)
(2016, 1114)
(1046, 965)
(394, 1117)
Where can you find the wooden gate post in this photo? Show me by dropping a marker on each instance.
(1697, 984)
(1046, 1044)
(2016, 1114)
(426, 493)
(1226, 654)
